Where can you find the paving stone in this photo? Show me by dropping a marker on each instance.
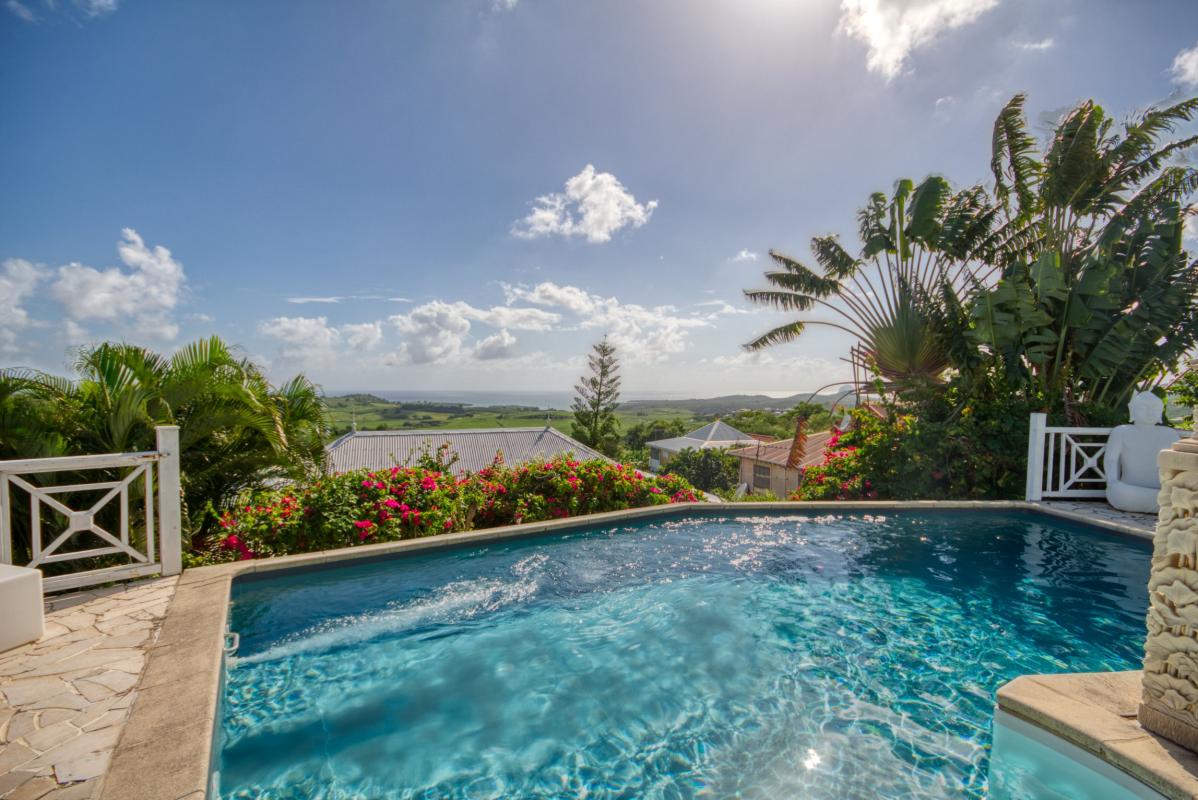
(117, 680)
(67, 699)
(22, 724)
(52, 716)
(35, 787)
(26, 691)
(50, 737)
(91, 691)
(14, 755)
(92, 658)
(81, 746)
(10, 780)
(127, 640)
(64, 700)
(83, 768)
(115, 717)
(96, 710)
(6, 715)
(76, 791)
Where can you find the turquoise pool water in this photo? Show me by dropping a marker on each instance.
(754, 656)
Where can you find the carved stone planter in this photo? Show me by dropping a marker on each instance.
(1170, 696)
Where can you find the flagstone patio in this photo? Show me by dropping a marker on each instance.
(65, 698)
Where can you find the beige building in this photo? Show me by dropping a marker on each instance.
(763, 465)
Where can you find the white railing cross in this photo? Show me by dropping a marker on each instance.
(162, 519)
(1064, 461)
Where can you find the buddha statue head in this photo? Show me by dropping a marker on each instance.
(1146, 408)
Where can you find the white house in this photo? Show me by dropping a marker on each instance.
(716, 434)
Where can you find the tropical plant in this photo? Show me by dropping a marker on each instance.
(236, 431)
(709, 469)
(1096, 294)
(902, 296)
(371, 506)
(594, 407)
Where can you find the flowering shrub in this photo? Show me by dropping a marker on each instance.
(364, 506)
(839, 476)
(963, 440)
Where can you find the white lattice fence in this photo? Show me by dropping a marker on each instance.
(1065, 462)
(85, 520)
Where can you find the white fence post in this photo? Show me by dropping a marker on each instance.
(1035, 456)
(170, 522)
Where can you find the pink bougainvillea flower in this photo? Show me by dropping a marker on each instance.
(391, 502)
(364, 524)
(429, 482)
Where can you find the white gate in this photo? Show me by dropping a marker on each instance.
(157, 549)
(1065, 462)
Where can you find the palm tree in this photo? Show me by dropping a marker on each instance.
(1096, 294)
(236, 431)
(904, 296)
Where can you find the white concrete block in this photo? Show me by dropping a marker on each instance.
(22, 619)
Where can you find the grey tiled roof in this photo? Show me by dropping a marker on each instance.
(476, 448)
(713, 434)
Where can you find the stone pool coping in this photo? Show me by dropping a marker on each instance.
(166, 748)
(1097, 711)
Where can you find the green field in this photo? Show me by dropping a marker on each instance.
(373, 414)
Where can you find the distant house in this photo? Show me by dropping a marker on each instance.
(714, 435)
(763, 466)
(475, 448)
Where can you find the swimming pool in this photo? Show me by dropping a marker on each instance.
(750, 655)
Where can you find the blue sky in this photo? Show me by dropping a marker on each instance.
(466, 194)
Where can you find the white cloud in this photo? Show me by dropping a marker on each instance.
(341, 298)
(744, 255)
(641, 334)
(774, 373)
(18, 279)
(432, 332)
(1185, 67)
(945, 102)
(362, 334)
(498, 345)
(1190, 232)
(893, 29)
(1043, 44)
(594, 205)
(142, 298)
(20, 10)
(504, 5)
(312, 341)
(76, 333)
(97, 8)
(722, 308)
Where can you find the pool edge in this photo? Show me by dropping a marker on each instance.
(165, 751)
(1097, 711)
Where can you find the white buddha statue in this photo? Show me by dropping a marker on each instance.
(1132, 478)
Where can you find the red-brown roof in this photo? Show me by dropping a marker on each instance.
(779, 452)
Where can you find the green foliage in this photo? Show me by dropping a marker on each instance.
(641, 433)
(782, 426)
(966, 440)
(236, 431)
(755, 496)
(709, 470)
(595, 423)
(371, 506)
(1096, 294)
(899, 294)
